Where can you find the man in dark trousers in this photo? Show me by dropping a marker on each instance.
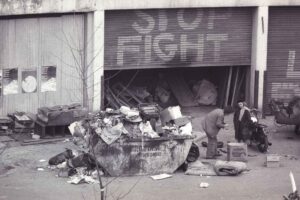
(212, 123)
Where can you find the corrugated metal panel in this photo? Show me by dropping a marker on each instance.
(283, 64)
(177, 38)
(31, 43)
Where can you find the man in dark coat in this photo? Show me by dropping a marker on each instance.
(212, 123)
(241, 121)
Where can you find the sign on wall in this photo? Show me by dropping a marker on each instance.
(29, 81)
(182, 37)
(10, 81)
(48, 78)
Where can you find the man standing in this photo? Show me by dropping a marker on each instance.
(212, 123)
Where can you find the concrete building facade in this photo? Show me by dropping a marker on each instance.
(256, 39)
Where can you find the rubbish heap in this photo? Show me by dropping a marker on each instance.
(126, 122)
(146, 121)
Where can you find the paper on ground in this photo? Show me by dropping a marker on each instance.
(161, 176)
(204, 185)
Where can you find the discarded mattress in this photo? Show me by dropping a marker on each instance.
(229, 168)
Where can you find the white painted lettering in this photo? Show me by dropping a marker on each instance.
(122, 40)
(217, 38)
(291, 73)
(162, 20)
(170, 48)
(148, 45)
(148, 18)
(189, 26)
(185, 45)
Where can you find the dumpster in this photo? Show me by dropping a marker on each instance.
(143, 156)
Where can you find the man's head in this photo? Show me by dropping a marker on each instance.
(241, 103)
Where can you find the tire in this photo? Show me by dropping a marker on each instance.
(263, 147)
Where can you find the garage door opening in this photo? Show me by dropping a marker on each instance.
(192, 87)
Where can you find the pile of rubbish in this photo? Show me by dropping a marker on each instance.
(78, 165)
(167, 90)
(144, 122)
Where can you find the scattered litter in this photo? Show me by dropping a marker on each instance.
(291, 157)
(40, 169)
(273, 160)
(252, 155)
(62, 165)
(66, 140)
(161, 176)
(204, 185)
(223, 151)
(35, 137)
(198, 168)
(42, 160)
(294, 194)
(77, 179)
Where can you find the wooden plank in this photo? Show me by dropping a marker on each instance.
(181, 90)
(240, 83)
(234, 86)
(41, 141)
(228, 86)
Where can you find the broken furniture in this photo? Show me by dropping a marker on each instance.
(21, 122)
(55, 120)
(6, 125)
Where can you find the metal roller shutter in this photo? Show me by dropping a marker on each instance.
(177, 38)
(283, 62)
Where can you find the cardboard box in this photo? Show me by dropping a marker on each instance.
(237, 152)
(273, 160)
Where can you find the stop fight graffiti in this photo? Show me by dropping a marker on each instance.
(168, 51)
(181, 35)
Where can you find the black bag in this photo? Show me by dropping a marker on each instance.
(61, 157)
(194, 153)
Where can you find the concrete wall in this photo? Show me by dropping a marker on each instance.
(21, 7)
(140, 4)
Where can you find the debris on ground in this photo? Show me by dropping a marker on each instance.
(79, 166)
(273, 160)
(200, 169)
(294, 194)
(161, 176)
(229, 168)
(40, 169)
(290, 157)
(204, 185)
